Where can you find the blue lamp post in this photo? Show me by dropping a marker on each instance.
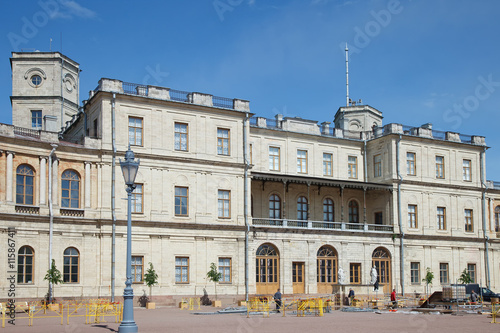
(129, 169)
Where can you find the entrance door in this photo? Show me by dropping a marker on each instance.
(326, 269)
(381, 260)
(267, 269)
(298, 275)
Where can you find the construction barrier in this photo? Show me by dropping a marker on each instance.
(495, 311)
(189, 303)
(258, 304)
(310, 305)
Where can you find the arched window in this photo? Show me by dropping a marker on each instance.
(267, 269)
(327, 267)
(274, 207)
(70, 189)
(302, 208)
(353, 211)
(71, 265)
(25, 180)
(328, 212)
(25, 262)
(497, 218)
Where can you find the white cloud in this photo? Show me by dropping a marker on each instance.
(70, 8)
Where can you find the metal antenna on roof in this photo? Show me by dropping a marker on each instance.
(347, 74)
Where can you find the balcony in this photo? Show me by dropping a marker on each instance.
(320, 225)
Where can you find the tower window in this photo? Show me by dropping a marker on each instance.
(36, 80)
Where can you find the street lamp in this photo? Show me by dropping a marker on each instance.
(129, 169)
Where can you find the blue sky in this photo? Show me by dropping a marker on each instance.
(417, 61)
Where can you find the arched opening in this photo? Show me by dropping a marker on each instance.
(326, 269)
(267, 273)
(497, 218)
(381, 260)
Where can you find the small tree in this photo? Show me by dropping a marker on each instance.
(428, 280)
(465, 277)
(53, 276)
(151, 278)
(214, 275)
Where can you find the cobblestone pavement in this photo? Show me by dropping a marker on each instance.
(170, 319)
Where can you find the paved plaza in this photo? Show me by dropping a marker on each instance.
(170, 319)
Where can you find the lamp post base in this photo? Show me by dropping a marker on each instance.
(128, 324)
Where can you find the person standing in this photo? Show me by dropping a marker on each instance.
(277, 300)
(351, 296)
(393, 299)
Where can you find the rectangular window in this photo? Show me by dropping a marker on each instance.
(137, 199)
(223, 141)
(96, 126)
(443, 273)
(412, 216)
(181, 270)
(471, 269)
(410, 164)
(379, 218)
(469, 222)
(181, 137)
(377, 165)
(274, 158)
(415, 272)
(137, 269)
(441, 218)
(327, 164)
(36, 119)
(224, 204)
(135, 131)
(440, 167)
(181, 201)
(225, 270)
(467, 170)
(352, 166)
(355, 273)
(302, 161)
(251, 154)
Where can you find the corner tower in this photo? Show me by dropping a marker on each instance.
(45, 89)
(358, 118)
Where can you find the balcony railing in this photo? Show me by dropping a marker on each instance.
(23, 209)
(72, 212)
(320, 225)
(27, 132)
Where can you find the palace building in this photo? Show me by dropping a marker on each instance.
(284, 203)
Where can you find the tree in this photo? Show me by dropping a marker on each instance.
(151, 278)
(215, 276)
(428, 280)
(465, 277)
(54, 277)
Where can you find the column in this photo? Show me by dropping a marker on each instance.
(364, 205)
(341, 203)
(55, 181)
(99, 186)
(87, 184)
(43, 180)
(284, 200)
(10, 156)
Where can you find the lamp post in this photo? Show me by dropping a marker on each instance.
(129, 169)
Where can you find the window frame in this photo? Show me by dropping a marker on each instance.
(302, 161)
(411, 158)
(225, 202)
(496, 213)
(328, 210)
(440, 167)
(135, 196)
(353, 215)
(37, 116)
(21, 277)
(179, 134)
(181, 266)
(22, 170)
(377, 165)
(469, 220)
(472, 270)
(225, 270)
(352, 167)
(355, 273)
(71, 265)
(302, 203)
(222, 142)
(467, 170)
(135, 131)
(273, 208)
(444, 273)
(180, 196)
(134, 269)
(70, 189)
(412, 217)
(272, 158)
(415, 272)
(441, 218)
(328, 164)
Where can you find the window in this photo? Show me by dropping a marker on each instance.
(267, 265)
(225, 270)
(181, 270)
(326, 265)
(251, 153)
(302, 161)
(410, 164)
(497, 218)
(274, 207)
(302, 208)
(137, 199)
(36, 80)
(181, 201)
(224, 204)
(467, 170)
(328, 212)
(181, 137)
(355, 273)
(327, 164)
(443, 273)
(71, 265)
(36, 119)
(471, 269)
(469, 223)
(352, 166)
(379, 218)
(25, 261)
(137, 269)
(95, 128)
(222, 141)
(415, 272)
(440, 167)
(274, 158)
(441, 218)
(25, 180)
(412, 216)
(70, 189)
(353, 211)
(377, 165)
(135, 131)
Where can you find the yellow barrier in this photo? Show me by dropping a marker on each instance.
(189, 303)
(258, 304)
(314, 304)
(495, 311)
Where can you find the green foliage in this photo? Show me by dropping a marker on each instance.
(465, 277)
(214, 275)
(428, 277)
(53, 274)
(151, 278)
